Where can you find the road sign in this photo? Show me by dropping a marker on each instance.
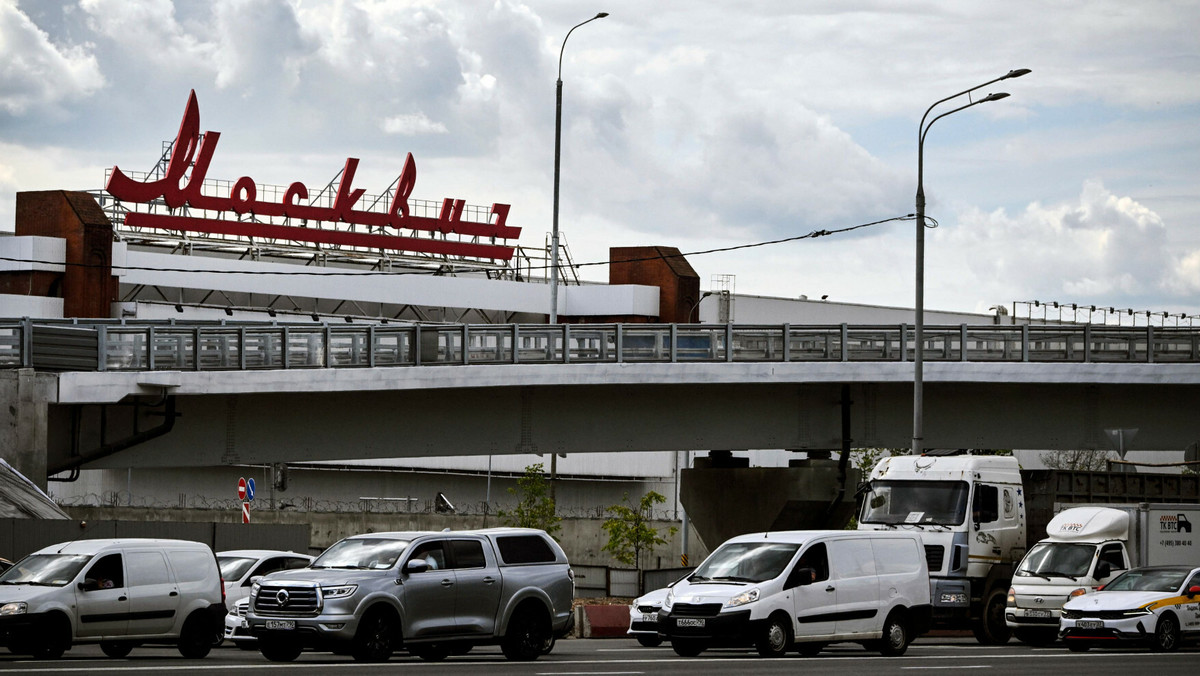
(245, 512)
(249, 489)
(242, 488)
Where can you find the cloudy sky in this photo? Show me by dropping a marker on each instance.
(697, 124)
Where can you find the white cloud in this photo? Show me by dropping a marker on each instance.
(413, 124)
(35, 72)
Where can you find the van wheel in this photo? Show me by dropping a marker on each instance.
(116, 648)
(55, 638)
(810, 649)
(895, 636)
(1166, 636)
(527, 635)
(776, 637)
(376, 637)
(277, 650)
(649, 641)
(991, 629)
(685, 647)
(196, 637)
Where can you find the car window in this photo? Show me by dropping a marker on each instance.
(1195, 581)
(525, 549)
(814, 557)
(468, 553)
(433, 554)
(1113, 555)
(148, 568)
(106, 573)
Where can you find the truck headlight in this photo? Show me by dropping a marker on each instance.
(1012, 597)
(338, 592)
(1078, 592)
(748, 596)
(14, 608)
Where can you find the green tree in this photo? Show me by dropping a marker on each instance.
(535, 506)
(629, 530)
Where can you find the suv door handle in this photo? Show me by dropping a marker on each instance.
(447, 583)
(489, 580)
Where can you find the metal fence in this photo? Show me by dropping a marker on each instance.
(112, 345)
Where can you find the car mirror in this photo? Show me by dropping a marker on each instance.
(1193, 590)
(1103, 569)
(416, 566)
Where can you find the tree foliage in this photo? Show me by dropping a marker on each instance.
(1090, 461)
(535, 507)
(629, 530)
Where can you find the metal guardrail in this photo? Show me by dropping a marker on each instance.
(111, 345)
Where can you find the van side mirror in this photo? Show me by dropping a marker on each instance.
(89, 585)
(416, 566)
(801, 577)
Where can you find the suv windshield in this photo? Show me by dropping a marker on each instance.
(1061, 559)
(371, 553)
(915, 502)
(1147, 580)
(746, 562)
(53, 570)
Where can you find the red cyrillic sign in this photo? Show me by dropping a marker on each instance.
(189, 150)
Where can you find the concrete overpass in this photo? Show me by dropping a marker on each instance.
(155, 394)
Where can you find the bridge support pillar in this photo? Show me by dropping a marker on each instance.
(23, 421)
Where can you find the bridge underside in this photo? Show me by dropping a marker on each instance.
(233, 428)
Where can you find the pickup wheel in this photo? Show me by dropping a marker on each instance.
(375, 639)
(528, 633)
(776, 637)
(990, 628)
(1166, 635)
(279, 650)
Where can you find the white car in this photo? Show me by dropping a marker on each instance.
(240, 565)
(237, 630)
(1158, 605)
(643, 617)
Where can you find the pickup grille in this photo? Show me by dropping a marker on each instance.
(287, 600)
(933, 557)
(696, 609)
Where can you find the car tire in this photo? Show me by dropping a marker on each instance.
(245, 645)
(648, 641)
(375, 640)
(1036, 637)
(687, 647)
(810, 649)
(54, 639)
(279, 650)
(991, 628)
(1079, 646)
(1166, 634)
(895, 636)
(528, 632)
(196, 637)
(775, 638)
(116, 649)
(430, 653)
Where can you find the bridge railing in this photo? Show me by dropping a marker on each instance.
(94, 345)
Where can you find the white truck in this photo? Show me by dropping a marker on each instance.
(977, 515)
(1084, 548)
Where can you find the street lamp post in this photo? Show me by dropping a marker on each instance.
(557, 158)
(918, 438)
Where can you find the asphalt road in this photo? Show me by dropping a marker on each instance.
(613, 657)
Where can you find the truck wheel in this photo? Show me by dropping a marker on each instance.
(196, 637)
(685, 647)
(55, 638)
(776, 637)
(278, 650)
(375, 639)
(1166, 636)
(116, 648)
(990, 628)
(1035, 637)
(649, 641)
(895, 636)
(527, 634)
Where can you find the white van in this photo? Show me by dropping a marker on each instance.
(116, 592)
(801, 590)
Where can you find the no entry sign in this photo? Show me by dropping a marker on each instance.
(242, 488)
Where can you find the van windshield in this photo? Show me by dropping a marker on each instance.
(745, 562)
(1057, 559)
(916, 502)
(50, 570)
(357, 553)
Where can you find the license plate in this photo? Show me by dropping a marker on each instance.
(689, 622)
(1037, 613)
(281, 624)
(1090, 624)
(954, 598)
(649, 617)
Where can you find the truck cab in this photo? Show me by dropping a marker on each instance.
(1084, 549)
(970, 514)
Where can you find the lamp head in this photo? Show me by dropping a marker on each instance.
(601, 15)
(995, 97)
(1016, 73)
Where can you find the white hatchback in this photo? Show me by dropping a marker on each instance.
(643, 617)
(1158, 606)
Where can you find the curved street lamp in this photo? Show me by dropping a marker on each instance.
(918, 437)
(557, 156)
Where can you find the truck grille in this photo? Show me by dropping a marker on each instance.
(933, 557)
(696, 609)
(287, 600)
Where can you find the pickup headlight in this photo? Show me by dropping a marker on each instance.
(749, 596)
(338, 592)
(14, 608)
(254, 589)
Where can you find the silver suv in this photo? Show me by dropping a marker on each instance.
(432, 593)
